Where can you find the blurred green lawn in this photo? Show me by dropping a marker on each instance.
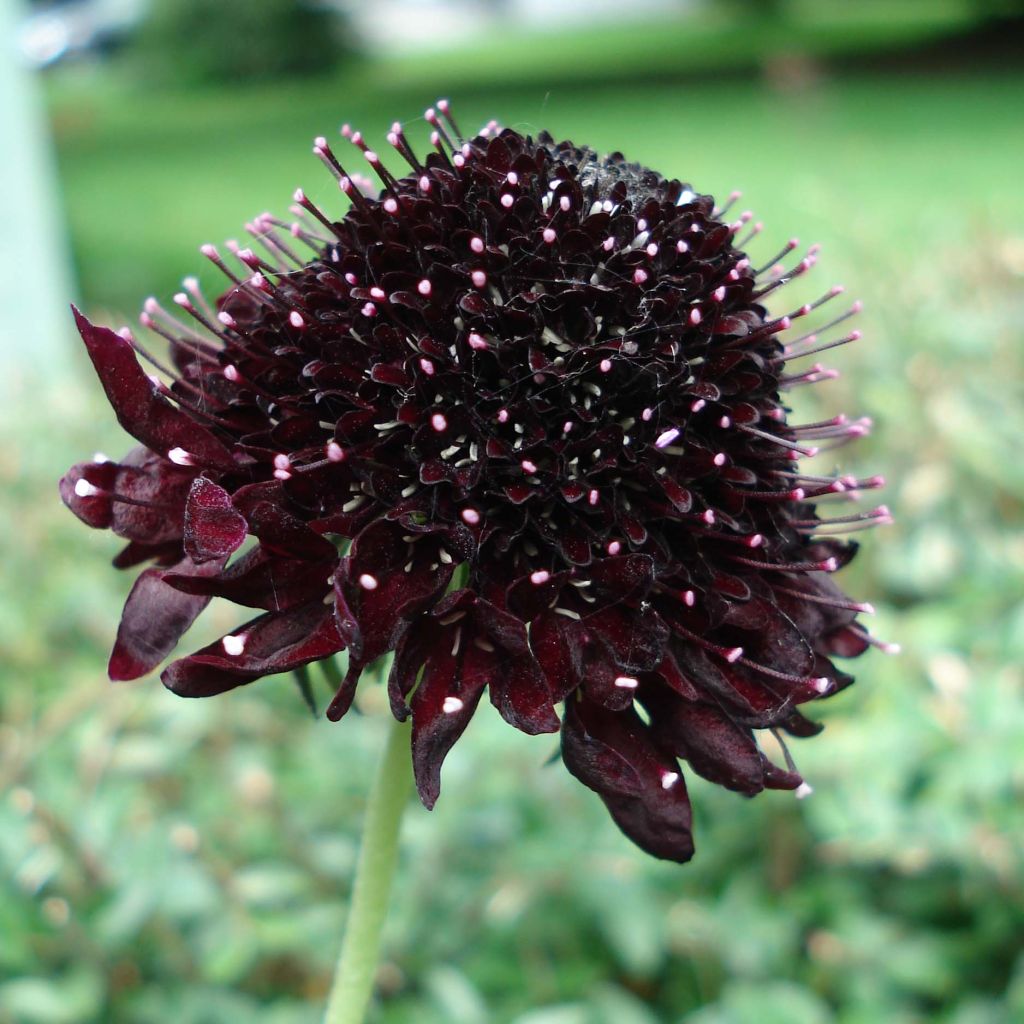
(170, 860)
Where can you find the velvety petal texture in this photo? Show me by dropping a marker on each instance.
(515, 418)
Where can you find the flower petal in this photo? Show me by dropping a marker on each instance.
(716, 747)
(386, 580)
(614, 754)
(140, 408)
(260, 579)
(154, 619)
(213, 527)
(442, 706)
(273, 643)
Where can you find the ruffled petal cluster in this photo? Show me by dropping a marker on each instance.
(516, 418)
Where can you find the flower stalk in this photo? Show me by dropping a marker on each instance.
(354, 974)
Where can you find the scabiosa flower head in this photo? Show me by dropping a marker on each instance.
(517, 419)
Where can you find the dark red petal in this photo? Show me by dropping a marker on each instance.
(715, 746)
(671, 674)
(140, 408)
(442, 706)
(386, 580)
(634, 638)
(555, 642)
(213, 528)
(94, 509)
(277, 642)
(141, 498)
(154, 619)
(845, 642)
(613, 753)
(531, 595)
(259, 579)
(518, 687)
(135, 552)
(621, 578)
(281, 533)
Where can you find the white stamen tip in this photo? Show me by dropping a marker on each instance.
(368, 582)
(335, 452)
(439, 422)
(549, 235)
(233, 644)
(733, 654)
(424, 287)
(295, 319)
(528, 466)
(821, 684)
(639, 275)
(479, 278)
(669, 779)
(84, 489)
(471, 516)
(627, 682)
(802, 791)
(606, 366)
(476, 341)
(451, 705)
(614, 547)
(539, 577)
(665, 438)
(180, 457)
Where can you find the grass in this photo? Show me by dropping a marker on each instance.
(190, 860)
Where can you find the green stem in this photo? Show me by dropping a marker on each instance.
(353, 977)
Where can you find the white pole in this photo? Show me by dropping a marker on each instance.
(35, 276)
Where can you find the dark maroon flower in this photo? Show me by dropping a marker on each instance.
(517, 419)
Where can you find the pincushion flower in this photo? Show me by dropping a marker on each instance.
(516, 418)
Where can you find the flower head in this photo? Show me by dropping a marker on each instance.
(516, 419)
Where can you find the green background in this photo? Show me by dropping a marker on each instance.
(169, 860)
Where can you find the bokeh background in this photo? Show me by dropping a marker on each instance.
(165, 860)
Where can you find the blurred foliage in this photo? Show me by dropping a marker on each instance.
(165, 860)
(210, 42)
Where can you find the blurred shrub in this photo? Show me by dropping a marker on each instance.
(195, 42)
